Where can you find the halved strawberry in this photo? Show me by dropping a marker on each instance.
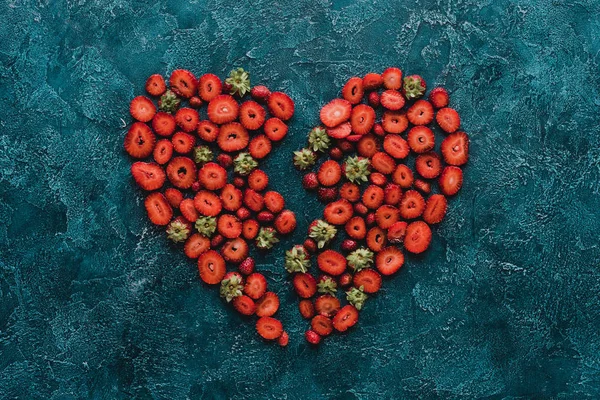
(211, 267)
(448, 119)
(392, 100)
(412, 205)
(428, 165)
(207, 203)
(155, 85)
(396, 232)
(392, 194)
(223, 109)
(174, 197)
(389, 260)
(258, 180)
(350, 191)
(451, 180)
(269, 328)
(274, 201)
(342, 131)
(306, 308)
(208, 131)
(372, 81)
(187, 119)
(321, 325)
(139, 140)
(345, 318)
(275, 129)
(253, 200)
(229, 226)
(231, 197)
(367, 146)
(394, 121)
(331, 262)
(148, 176)
(212, 176)
(338, 212)
(281, 106)
(421, 139)
(142, 109)
(256, 286)
(305, 285)
(403, 176)
(181, 171)
(435, 209)
(395, 146)
(195, 245)
(386, 216)
(164, 124)
(188, 210)
(373, 197)
(327, 305)
(369, 279)
(158, 209)
(183, 82)
(285, 222)
(267, 305)
(335, 112)
(235, 250)
(209, 86)
(376, 239)
(329, 173)
(420, 113)
(439, 97)
(250, 229)
(183, 142)
(244, 305)
(362, 119)
(418, 237)
(232, 137)
(259, 147)
(423, 186)
(356, 228)
(353, 90)
(455, 148)
(252, 115)
(392, 78)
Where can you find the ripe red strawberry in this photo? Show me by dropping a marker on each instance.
(212, 176)
(158, 209)
(310, 245)
(243, 213)
(378, 128)
(209, 86)
(155, 85)
(239, 182)
(393, 122)
(356, 228)
(403, 176)
(448, 119)
(342, 131)
(183, 83)
(229, 226)
(349, 245)
(424, 187)
(312, 337)
(148, 176)
(188, 210)
(396, 146)
(265, 217)
(392, 100)
(435, 209)
(235, 250)
(389, 260)
(369, 279)
(252, 115)
(181, 172)
(216, 241)
(174, 197)
(275, 129)
(336, 153)
(327, 195)
(439, 97)
(451, 180)
(350, 191)
(246, 267)
(306, 308)
(183, 142)
(353, 90)
(142, 109)
(244, 305)
(418, 237)
(207, 203)
(336, 112)
(260, 93)
(164, 124)
(362, 119)
(139, 140)
(345, 318)
(377, 178)
(329, 173)
(196, 102)
(267, 305)
(259, 147)
(222, 109)
(420, 113)
(285, 222)
(372, 81)
(258, 180)
(392, 194)
(195, 245)
(305, 285)
(231, 197)
(211, 266)
(274, 201)
(281, 106)
(250, 229)
(396, 232)
(253, 200)
(269, 328)
(370, 219)
(187, 119)
(373, 197)
(367, 146)
(338, 212)
(392, 78)
(310, 181)
(322, 325)
(256, 286)
(455, 148)
(376, 239)
(196, 187)
(428, 165)
(208, 131)
(412, 205)
(284, 339)
(386, 216)
(327, 305)
(421, 139)
(374, 99)
(331, 262)
(232, 137)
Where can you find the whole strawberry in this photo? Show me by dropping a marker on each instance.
(378, 130)
(312, 337)
(260, 93)
(374, 99)
(310, 181)
(216, 241)
(195, 102)
(345, 279)
(243, 213)
(196, 186)
(360, 209)
(370, 220)
(336, 153)
(225, 160)
(327, 195)
(310, 245)
(239, 182)
(349, 245)
(265, 217)
(346, 146)
(247, 266)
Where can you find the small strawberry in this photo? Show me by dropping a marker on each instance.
(439, 97)
(360, 209)
(327, 195)
(195, 102)
(310, 181)
(336, 153)
(310, 245)
(374, 99)
(246, 267)
(423, 186)
(216, 241)
(283, 339)
(242, 213)
(378, 130)
(260, 93)
(414, 87)
(345, 279)
(265, 217)
(312, 337)
(239, 182)
(349, 245)
(224, 160)
(370, 219)
(196, 186)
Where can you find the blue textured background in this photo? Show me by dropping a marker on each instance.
(95, 302)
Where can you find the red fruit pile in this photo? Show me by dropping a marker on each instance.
(379, 186)
(184, 152)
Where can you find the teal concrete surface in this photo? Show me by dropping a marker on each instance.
(95, 303)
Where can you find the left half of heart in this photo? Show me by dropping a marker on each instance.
(197, 145)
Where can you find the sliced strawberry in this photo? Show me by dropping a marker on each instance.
(306, 308)
(403, 176)
(377, 178)
(188, 210)
(274, 201)
(187, 119)
(345, 318)
(392, 100)
(183, 82)
(212, 176)
(342, 131)
(267, 305)
(331, 262)
(362, 119)
(268, 328)
(335, 112)
(435, 209)
(329, 173)
(305, 285)
(350, 191)
(275, 129)
(209, 86)
(229, 226)
(439, 97)
(244, 305)
(253, 200)
(260, 93)
(372, 81)
(392, 194)
(394, 121)
(422, 186)
(353, 90)
(148, 176)
(373, 197)
(256, 286)
(259, 147)
(428, 165)
(155, 85)
(195, 245)
(421, 139)
(367, 146)
(451, 180)
(386, 216)
(139, 140)
(327, 305)
(420, 113)
(250, 229)
(211, 266)
(281, 106)
(208, 131)
(389, 260)
(412, 205)
(207, 203)
(338, 212)
(181, 171)
(376, 239)
(164, 124)
(418, 237)
(174, 197)
(448, 119)
(321, 325)
(285, 222)
(142, 109)
(356, 228)
(183, 142)
(455, 148)
(368, 279)
(232, 137)
(258, 180)
(396, 147)
(392, 78)
(396, 232)
(252, 115)
(158, 209)
(235, 250)
(231, 197)
(223, 109)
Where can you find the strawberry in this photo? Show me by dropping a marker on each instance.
(374, 99)
(376, 239)
(396, 146)
(396, 232)
(268, 328)
(244, 305)
(285, 222)
(310, 245)
(209, 86)
(212, 176)
(256, 286)
(195, 245)
(155, 85)
(174, 197)
(362, 119)
(183, 82)
(368, 279)
(422, 186)
(336, 112)
(455, 148)
(252, 115)
(274, 201)
(284, 339)
(389, 260)
(148, 176)
(392, 194)
(392, 78)
(394, 122)
(211, 267)
(260, 93)
(356, 228)
(222, 109)
(242, 213)
(158, 209)
(207, 203)
(183, 142)
(253, 200)
(345, 318)
(418, 237)
(421, 139)
(187, 119)
(370, 219)
(181, 172)
(329, 173)
(163, 124)
(412, 205)
(451, 180)
(336, 153)
(306, 308)
(281, 106)
(259, 147)
(367, 146)
(258, 180)
(331, 262)
(414, 87)
(246, 267)
(428, 165)
(373, 197)
(378, 128)
(231, 197)
(403, 176)
(312, 337)
(305, 285)
(439, 97)
(196, 187)
(353, 90)
(338, 212)
(322, 325)
(327, 305)
(224, 160)
(386, 216)
(188, 210)
(139, 140)
(377, 178)
(195, 102)
(216, 241)
(345, 279)
(142, 109)
(327, 195)
(342, 131)
(250, 229)
(392, 100)
(350, 191)
(229, 226)
(265, 217)
(232, 137)
(267, 305)
(208, 131)
(420, 113)
(372, 81)
(235, 251)
(239, 182)
(448, 119)
(435, 209)
(275, 129)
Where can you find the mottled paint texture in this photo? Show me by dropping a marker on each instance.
(95, 303)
